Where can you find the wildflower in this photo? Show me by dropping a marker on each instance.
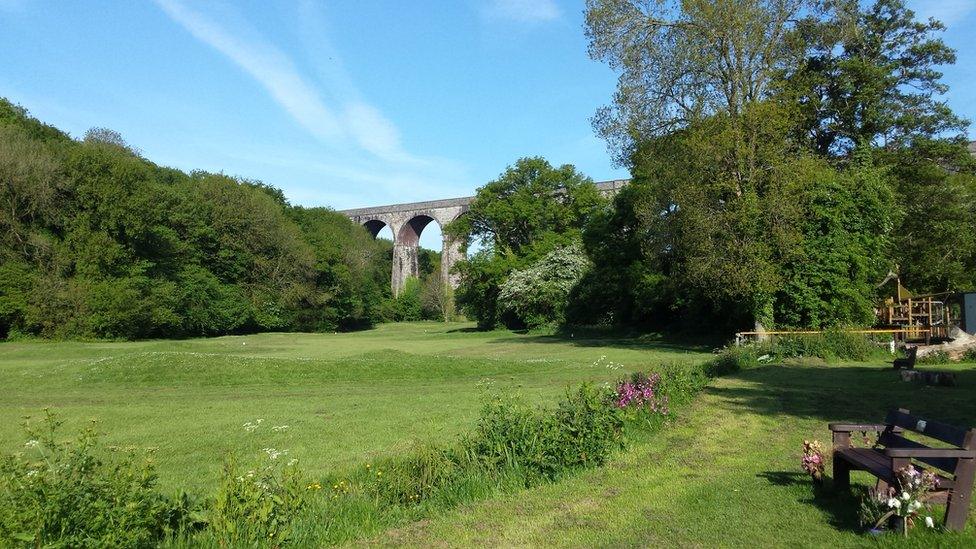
(929, 522)
(906, 496)
(894, 503)
(32, 472)
(292, 462)
(279, 428)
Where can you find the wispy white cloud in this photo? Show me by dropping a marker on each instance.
(350, 119)
(523, 11)
(267, 65)
(950, 12)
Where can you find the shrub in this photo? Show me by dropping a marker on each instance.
(680, 383)
(938, 357)
(258, 505)
(538, 294)
(582, 431)
(734, 358)
(73, 495)
(970, 355)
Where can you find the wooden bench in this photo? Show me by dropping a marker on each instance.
(954, 466)
(908, 362)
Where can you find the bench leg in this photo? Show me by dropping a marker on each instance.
(957, 503)
(842, 473)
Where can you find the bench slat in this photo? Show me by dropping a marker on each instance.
(891, 440)
(879, 465)
(935, 429)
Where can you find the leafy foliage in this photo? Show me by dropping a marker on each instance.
(529, 211)
(71, 494)
(257, 506)
(99, 242)
(786, 155)
(538, 293)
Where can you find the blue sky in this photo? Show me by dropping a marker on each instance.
(343, 104)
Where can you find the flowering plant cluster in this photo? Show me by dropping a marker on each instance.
(813, 459)
(642, 391)
(907, 501)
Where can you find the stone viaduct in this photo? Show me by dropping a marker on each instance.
(407, 222)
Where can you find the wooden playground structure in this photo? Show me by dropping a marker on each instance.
(929, 315)
(904, 317)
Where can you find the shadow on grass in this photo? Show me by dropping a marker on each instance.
(849, 393)
(647, 342)
(840, 506)
(843, 393)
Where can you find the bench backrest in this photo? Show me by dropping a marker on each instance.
(902, 420)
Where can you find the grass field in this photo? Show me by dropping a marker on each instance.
(344, 397)
(726, 473)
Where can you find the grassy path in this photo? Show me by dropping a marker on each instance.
(727, 474)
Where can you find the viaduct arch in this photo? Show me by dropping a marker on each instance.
(407, 222)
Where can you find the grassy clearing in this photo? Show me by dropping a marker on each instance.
(727, 474)
(347, 398)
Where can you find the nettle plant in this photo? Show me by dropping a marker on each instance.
(258, 504)
(79, 493)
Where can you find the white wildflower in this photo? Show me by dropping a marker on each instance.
(292, 462)
(906, 496)
(32, 472)
(32, 443)
(929, 522)
(894, 503)
(280, 428)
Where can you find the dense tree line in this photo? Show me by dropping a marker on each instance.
(97, 241)
(786, 155)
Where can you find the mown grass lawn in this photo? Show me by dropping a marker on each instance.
(726, 474)
(345, 398)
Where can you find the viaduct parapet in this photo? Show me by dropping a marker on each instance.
(407, 222)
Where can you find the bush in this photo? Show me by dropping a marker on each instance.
(938, 357)
(732, 359)
(73, 495)
(257, 506)
(830, 345)
(538, 295)
(582, 431)
(970, 355)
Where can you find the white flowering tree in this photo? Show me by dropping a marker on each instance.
(537, 294)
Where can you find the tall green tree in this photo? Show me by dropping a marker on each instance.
(97, 241)
(683, 60)
(871, 76)
(531, 209)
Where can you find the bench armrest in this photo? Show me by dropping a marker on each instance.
(929, 453)
(853, 427)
